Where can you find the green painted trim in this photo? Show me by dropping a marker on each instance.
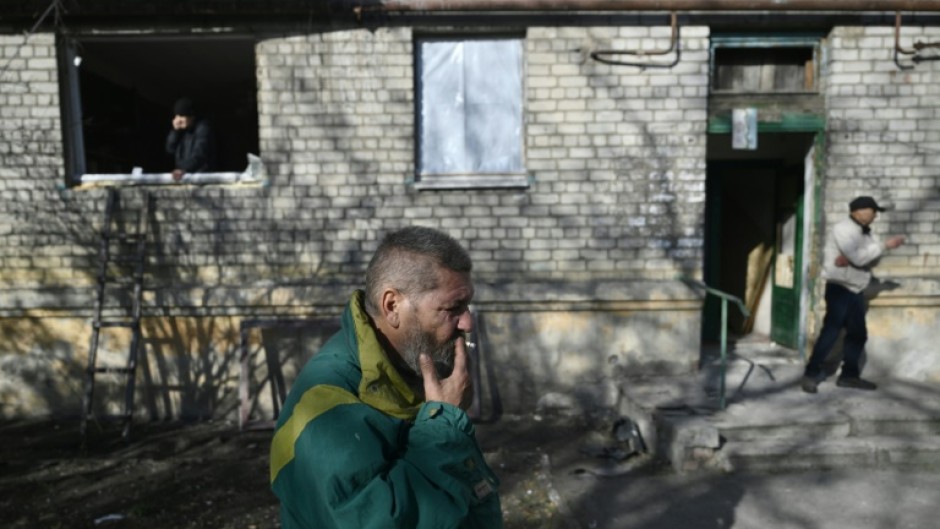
(744, 40)
(788, 123)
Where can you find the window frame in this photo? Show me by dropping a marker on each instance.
(432, 181)
(73, 133)
(812, 42)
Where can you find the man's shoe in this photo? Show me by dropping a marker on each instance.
(808, 384)
(856, 383)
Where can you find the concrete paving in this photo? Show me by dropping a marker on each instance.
(837, 499)
(769, 423)
(774, 457)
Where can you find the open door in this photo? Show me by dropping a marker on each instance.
(788, 257)
(790, 291)
(754, 246)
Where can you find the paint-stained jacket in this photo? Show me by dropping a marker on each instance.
(355, 447)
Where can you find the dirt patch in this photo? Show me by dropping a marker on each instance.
(210, 475)
(169, 475)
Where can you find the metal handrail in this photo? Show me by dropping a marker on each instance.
(725, 297)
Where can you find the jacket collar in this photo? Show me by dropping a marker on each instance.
(381, 386)
(865, 229)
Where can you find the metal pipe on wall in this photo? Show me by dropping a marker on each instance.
(644, 5)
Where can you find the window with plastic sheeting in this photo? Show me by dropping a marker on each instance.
(470, 124)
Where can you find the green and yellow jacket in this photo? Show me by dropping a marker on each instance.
(356, 448)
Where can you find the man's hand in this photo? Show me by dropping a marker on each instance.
(894, 242)
(842, 261)
(457, 389)
(177, 175)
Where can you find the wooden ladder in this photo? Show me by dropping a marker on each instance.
(121, 259)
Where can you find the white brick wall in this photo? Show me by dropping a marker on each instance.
(34, 247)
(600, 139)
(614, 212)
(884, 138)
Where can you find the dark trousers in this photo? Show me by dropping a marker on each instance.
(844, 309)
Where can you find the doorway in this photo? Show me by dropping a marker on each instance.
(754, 235)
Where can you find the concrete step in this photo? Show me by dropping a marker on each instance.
(825, 426)
(828, 426)
(851, 452)
(898, 425)
(896, 409)
(771, 424)
(749, 379)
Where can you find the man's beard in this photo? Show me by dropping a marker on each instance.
(418, 342)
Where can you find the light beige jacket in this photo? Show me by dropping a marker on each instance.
(862, 250)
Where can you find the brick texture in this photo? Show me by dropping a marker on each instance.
(884, 139)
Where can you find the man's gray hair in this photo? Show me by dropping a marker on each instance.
(408, 260)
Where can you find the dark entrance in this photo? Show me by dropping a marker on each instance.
(754, 235)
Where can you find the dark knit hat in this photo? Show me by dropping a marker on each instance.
(184, 107)
(864, 202)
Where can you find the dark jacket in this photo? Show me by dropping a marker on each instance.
(193, 148)
(355, 447)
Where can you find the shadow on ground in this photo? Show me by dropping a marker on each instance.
(210, 474)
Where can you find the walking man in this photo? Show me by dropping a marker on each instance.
(851, 251)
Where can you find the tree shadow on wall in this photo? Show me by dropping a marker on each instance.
(194, 348)
(43, 373)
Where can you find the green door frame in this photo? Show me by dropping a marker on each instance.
(808, 216)
(785, 301)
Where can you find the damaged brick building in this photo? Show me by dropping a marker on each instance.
(600, 159)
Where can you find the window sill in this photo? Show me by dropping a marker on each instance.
(157, 179)
(253, 174)
(490, 181)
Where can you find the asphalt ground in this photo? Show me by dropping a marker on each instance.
(837, 499)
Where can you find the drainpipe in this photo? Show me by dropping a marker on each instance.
(641, 5)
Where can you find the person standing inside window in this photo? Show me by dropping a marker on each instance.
(190, 142)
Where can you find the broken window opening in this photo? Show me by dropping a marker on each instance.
(118, 95)
(762, 67)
